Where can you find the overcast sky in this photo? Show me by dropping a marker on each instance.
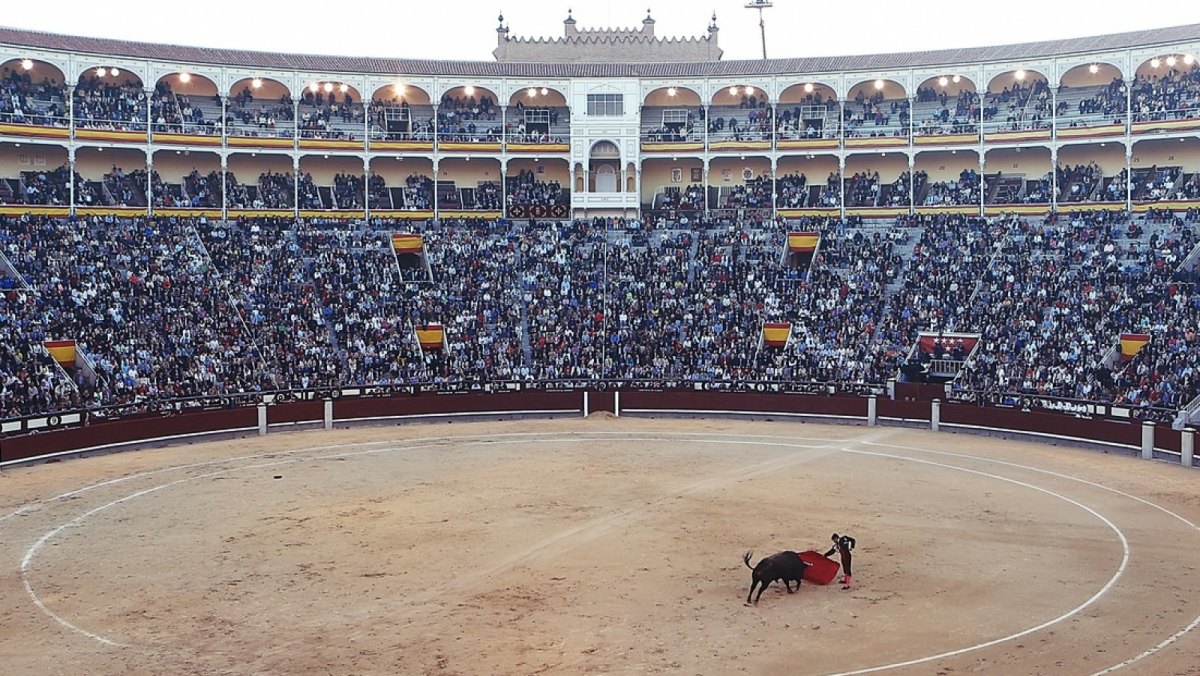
(465, 29)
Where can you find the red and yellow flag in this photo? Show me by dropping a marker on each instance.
(1132, 343)
(62, 351)
(776, 334)
(803, 242)
(404, 243)
(431, 336)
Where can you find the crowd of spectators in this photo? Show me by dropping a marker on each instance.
(874, 116)
(138, 296)
(755, 126)
(1023, 106)
(348, 191)
(690, 198)
(308, 195)
(1175, 95)
(1106, 105)
(950, 193)
(48, 188)
(468, 119)
(104, 104)
(525, 189)
(791, 191)
(394, 120)
(755, 193)
(248, 116)
(1078, 183)
(203, 191)
(267, 303)
(23, 101)
(862, 189)
(174, 113)
(533, 124)
(328, 117)
(942, 113)
(811, 118)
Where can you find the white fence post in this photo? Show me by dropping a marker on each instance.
(1188, 447)
(262, 419)
(891, 384)
(1147, 440)
(617, 404)
(872, 415)
(329, 414)
(585, 403)
(935, 415)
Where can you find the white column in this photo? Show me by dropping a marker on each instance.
(617, 404)
(891, 384)
(329, 414)
(935, 415)
(1147, 440)
(872, 411)
(585, 403)
(1188, 447)
(262, 419)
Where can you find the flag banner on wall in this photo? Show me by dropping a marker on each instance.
(1132, 343)
(62, 351)
(803, 242)
(776, 334)
(431, 336)
(404, 243)
(950, 345)
(802, 248)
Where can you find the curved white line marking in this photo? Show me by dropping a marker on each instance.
(1166, 642)
(33, 550)
(1049, 623)
(1112, 581)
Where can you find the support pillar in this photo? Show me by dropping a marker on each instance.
(891, 385)
(296, 185)
(842, 184)
(585, 403)
(262, 419)
(1187, 446)
(1147, 440)
(367, 187)
(328, 413)
(150, 183)
(617, 404)
(935, 415)
(436, 211)
(71, 178)
(872, 411)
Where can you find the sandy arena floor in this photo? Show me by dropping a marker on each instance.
(597, 546)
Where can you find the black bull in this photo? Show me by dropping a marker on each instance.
(786, 566)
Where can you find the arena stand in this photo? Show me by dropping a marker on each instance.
(980, 201)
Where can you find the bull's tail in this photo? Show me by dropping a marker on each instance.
(746, 559)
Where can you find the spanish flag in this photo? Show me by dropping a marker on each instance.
(776, 334)
(803, 242)
(1132, 343)
(431, 336)
(404, 243)
(62, 351)
(802, 248)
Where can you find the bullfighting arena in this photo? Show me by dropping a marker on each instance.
(598, 546)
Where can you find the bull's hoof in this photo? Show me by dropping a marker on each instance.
(748, 605)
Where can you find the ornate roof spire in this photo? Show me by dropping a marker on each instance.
(570, 19)
(648, 19)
